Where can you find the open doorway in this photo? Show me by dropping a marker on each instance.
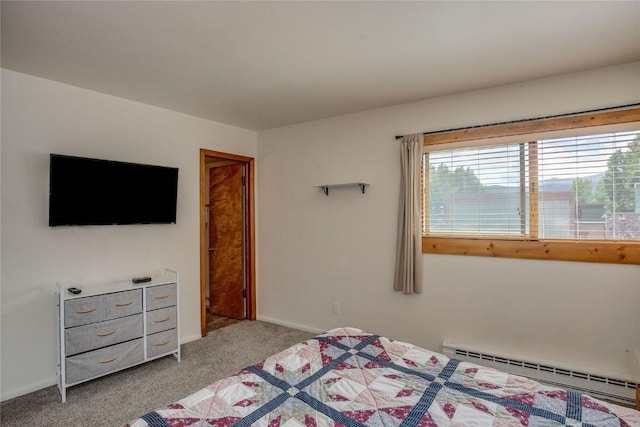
(227, 223)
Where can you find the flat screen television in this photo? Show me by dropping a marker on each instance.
(84, 191)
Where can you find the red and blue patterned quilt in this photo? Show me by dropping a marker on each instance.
(347, 377)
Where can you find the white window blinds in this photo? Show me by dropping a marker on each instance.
(589, 187)
(582, 187)
(478, 190)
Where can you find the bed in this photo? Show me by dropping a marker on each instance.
(348, 377)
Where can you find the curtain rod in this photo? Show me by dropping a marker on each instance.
(528, 120)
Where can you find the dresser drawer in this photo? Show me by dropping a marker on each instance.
(98, 335)
(161, 296)
(125, 303)
(161, 320)
(87, 365)
(81, 311)
(162, 342)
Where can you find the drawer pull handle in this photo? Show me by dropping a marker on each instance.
(109, 360)
(85, 310)
(165, 342)
(162, 296)
(123, 304)
(106, 334)
(162, 320)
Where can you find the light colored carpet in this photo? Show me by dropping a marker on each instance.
(116, 399)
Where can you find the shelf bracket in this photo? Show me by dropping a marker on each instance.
(325, 188)
(362, 186)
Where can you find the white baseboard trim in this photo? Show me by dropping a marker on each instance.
(305, 328)
(184, 340)
(28, 389)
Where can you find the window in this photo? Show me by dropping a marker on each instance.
(565, 189)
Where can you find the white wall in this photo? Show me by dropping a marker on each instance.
(315, 250)
(41, 117)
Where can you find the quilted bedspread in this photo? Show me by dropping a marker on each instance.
(347, 377)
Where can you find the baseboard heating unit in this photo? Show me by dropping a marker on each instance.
(602, 387)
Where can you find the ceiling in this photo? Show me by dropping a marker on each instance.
(261, 65)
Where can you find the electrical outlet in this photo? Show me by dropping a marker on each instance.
(335, 308)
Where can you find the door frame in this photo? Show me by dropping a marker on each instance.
(250, 301)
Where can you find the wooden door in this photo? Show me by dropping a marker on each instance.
(226, 265)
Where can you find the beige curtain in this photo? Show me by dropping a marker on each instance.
(408, 276)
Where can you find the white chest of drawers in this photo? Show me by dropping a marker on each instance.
(114, 326)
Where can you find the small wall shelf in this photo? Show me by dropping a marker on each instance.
(326, 187)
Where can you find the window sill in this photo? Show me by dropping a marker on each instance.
(557, 250)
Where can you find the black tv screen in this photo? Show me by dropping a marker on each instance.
(85, 191)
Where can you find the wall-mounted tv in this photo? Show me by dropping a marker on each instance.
(85, 191)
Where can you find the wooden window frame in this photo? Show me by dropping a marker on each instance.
(600, 251)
